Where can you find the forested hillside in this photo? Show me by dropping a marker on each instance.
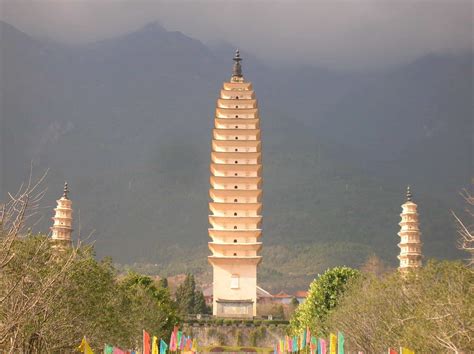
(127, 122)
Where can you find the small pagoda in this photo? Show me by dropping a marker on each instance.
(410, 244)
(62, 226)
(236, 194)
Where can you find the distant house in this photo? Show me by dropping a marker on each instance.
(282, 298)
(263, 296)
(301, 296)
(285, 298)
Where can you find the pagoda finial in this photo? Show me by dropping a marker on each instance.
(66, 191)
(409, 195)
(237, 69)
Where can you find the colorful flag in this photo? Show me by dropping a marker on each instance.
(189, 344)
(332, 343)
(178, 339)
(340, 343)
(108, 349)
(173, 346)
(392, 351)
(84, 347)
(163, 346)
(313, 345)
(146, 342)
(406, 351)
(323, 346)
(154, 345)
(194, 348)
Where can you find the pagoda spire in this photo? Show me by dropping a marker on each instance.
(410, 243)
(408, 194)
(237, 68)
(62, 226)
(66, 191)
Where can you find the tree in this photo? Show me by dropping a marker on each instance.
(429, 310)
(374, 265)
(150, 306)
(49, 300)
(163, 282)
(30, 275)
(323, 295)
(200, 303)
(466, 231)
(185, 295)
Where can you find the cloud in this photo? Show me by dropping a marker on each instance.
(339, 34)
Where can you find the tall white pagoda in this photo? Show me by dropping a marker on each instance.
(236, 193)
(62, 226)
(410, 243)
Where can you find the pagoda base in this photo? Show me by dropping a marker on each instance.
(234, 308)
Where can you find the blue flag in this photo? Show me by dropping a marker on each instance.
(163, 346)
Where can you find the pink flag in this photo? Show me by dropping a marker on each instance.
(323, 346)
(308, 335)
(118, 351)
(173, 346)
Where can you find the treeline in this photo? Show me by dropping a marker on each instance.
(50, 299)
(429, 310)
(52, 295)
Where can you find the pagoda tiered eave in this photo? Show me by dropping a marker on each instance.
(235, 233)
(236, 145)
(243, 103)
(241, 182)
(236, 196)
(217, 247)
(225, 169)
(245, 85)
(221, 260)
(235, 207)
(236, 134)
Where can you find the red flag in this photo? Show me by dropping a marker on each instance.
(146, 342)
(392, 351)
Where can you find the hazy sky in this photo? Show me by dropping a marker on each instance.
(355, 34)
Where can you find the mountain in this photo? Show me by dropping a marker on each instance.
(127, 122)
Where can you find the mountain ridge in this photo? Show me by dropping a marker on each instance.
(127, 122)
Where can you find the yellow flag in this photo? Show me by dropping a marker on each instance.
(194, 348)
(332, 343)
(406, 351)
(85, 347)
(154, 346)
